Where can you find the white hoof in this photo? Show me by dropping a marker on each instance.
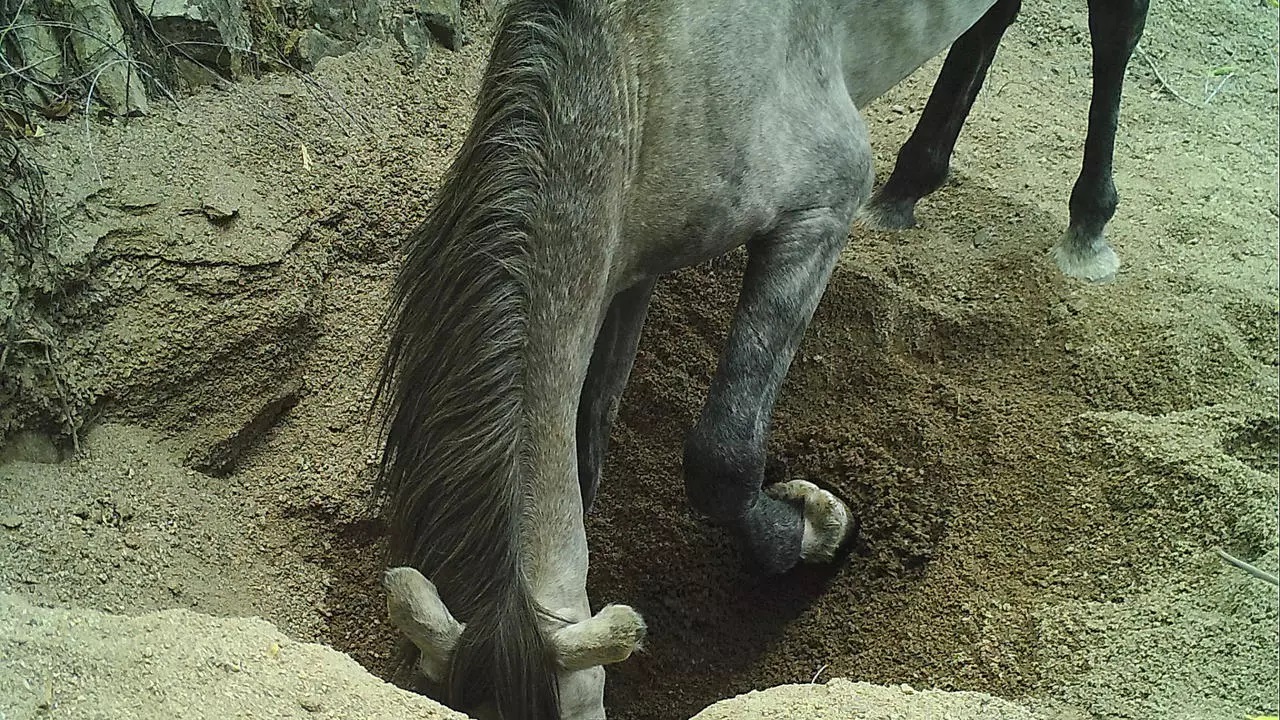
(827, 522)
(1093, 262)
(883, 216)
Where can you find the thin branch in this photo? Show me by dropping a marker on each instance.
(4, 31)
(1260, 574)
(124, 56)
(1140, 52)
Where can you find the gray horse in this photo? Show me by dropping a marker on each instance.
(615, 140)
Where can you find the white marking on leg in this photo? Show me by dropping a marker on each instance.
(1093, 261)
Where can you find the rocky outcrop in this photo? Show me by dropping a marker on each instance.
(211, 33)
(100, 47)
(41, 55)
(118, 53)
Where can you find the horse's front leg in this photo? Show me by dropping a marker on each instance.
(611, 361)
(925, 158)
(724, 454)
(1115, 26)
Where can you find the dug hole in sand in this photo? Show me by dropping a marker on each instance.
(1044, 470)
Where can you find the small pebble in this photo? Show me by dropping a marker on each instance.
(311, 703)
(11, 521)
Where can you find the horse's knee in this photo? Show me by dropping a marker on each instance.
(1116, 26)
(722, 476)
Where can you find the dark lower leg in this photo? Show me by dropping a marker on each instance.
(924, 160)
(611, 361)
(725, 452)
(1115, 26)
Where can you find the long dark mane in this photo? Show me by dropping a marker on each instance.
(453, 374)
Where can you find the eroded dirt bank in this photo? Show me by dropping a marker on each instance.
(1043, 470)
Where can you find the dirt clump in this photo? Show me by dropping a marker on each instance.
(87, 664)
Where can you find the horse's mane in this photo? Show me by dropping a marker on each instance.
(451, 472)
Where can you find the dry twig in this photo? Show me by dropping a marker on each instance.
(1163, 83)
(1256, 572)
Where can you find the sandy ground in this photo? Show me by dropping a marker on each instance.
(58, 663)
(844, 700)
(1043, 470)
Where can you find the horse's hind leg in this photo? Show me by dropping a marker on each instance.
(611, 361)
(1115, 26)
(724, 454)
(924, 160)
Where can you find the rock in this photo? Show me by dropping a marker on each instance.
(444, 19)
(100, 47)
(413, 37)
(313, 46)
(842, 699)
(196, 75)
(430, 21)
(11, 521)
(219, 211)
(221, 200)
(41, 56)
(345, 19)
(214, 33)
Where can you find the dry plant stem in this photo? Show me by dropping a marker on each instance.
(315, 88)
(4, 356)
(1163, 83)
(1218, 89)
(62, 396)
(4, 31)
(1260, 574)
